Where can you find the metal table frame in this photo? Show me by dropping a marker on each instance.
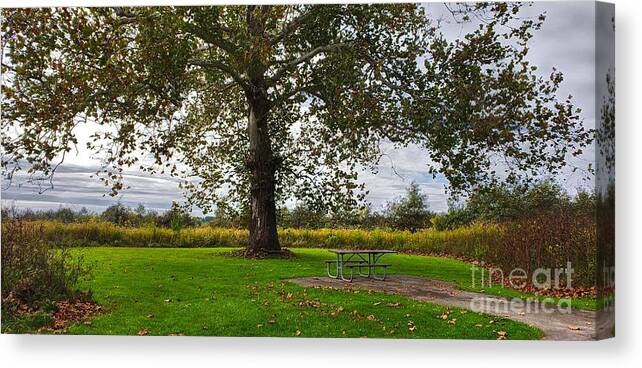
(357, 259)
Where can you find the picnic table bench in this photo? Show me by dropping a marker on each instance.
(364, 260)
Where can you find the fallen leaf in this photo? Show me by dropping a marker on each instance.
(453, 321)
(411, 326)
(259, 325)
(297, 333)
(376, 303)
(143, 332)
(573, 327)
(370, 317)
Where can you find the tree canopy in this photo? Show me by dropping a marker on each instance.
(267, 103)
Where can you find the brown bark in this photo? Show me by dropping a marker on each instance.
(263, 239)
(261, 163)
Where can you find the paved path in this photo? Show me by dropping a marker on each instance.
(556, 323)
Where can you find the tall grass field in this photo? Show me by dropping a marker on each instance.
(506, 245)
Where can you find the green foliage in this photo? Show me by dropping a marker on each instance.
(453, 219)
(118, 214)
(303, 216)
(410, 212)
(35, 272)
(502, 203)
(178, 82)
(177, 218)
(62, 214)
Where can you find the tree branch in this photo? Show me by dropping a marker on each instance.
(290, 27)
(302, 89)
(238, 78)
(210, 38)
(305, 57)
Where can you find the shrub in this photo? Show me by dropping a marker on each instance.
(453, 219)
(177, 218)
(410, 212)
(35, 272)
(549, 240)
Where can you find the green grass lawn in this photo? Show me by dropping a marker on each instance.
(205, 292)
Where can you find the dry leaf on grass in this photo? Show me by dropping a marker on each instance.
(411, 326)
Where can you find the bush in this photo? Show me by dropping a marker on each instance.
(453, 219)
(550, 240)
(34, 271)
(177, 218)
(410, 212)
(503, 203)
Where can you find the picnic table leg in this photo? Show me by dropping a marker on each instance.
(340, 265)
(374, 271)
(370, 263)
(362, 266)
(336, 275)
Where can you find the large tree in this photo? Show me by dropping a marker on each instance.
(260, 104)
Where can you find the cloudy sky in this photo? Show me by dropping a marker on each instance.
(566, 41)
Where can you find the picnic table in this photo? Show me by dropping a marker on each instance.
(364, 260)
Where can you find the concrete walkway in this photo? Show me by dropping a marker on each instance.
(557, 322)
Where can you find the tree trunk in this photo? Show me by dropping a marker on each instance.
(262, 165)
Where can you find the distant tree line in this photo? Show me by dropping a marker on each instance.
(177, 217)
(501, 204)
(409, 212)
